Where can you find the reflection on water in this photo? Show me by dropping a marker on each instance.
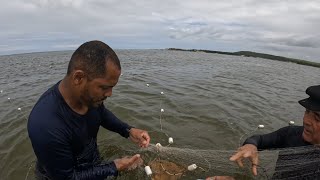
(210, 100)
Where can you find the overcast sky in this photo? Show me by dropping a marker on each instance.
(281, 27)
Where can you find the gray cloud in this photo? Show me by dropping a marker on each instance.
(311, 42)
(264, 26)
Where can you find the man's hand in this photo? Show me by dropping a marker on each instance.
(128, 163)
(140, 137)
(247, 151)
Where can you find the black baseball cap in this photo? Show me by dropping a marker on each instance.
(313, 102)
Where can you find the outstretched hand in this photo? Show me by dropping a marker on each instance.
(247, 151)
(141, 137)
(128, 163)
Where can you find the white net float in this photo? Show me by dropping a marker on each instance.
(170, 140)
(148, 171)
(192, 167)
(158, 145)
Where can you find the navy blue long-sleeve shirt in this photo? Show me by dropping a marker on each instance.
(65, 142)
(290, 136)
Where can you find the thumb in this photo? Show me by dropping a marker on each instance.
(134, 158)
(236, 156)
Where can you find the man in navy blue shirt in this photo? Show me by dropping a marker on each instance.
(290, 136)
(64, 123)
(286, 137)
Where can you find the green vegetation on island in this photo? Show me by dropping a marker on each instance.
(254, 54)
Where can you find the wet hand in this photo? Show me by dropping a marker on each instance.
(128, 163)
(247, 151)
(141, 137)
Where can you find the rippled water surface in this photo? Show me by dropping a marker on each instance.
(209, 100)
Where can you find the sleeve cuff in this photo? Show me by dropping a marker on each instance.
(251, 140)
(114, 167)
(127, 134)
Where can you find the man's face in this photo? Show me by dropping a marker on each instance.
(311, 124)
(98, 89)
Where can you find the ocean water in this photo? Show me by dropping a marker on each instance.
(210, 101)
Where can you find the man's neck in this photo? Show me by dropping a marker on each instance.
(71, 97)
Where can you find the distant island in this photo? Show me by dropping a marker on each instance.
(254, 54)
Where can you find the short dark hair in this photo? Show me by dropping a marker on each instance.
(92, 57)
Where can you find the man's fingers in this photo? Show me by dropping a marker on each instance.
(145, 139)
(254, 169)
(236, 156)
(239, 161)
(143, 144)
(211, 178)
(247, 154)
(140, 136)
(128, 162)
(133, 162)
(247, 151)
(255, 162)
(134, 158)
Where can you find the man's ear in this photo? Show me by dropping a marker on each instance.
(78, 77)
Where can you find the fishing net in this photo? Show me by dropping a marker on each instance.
(173, 163)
